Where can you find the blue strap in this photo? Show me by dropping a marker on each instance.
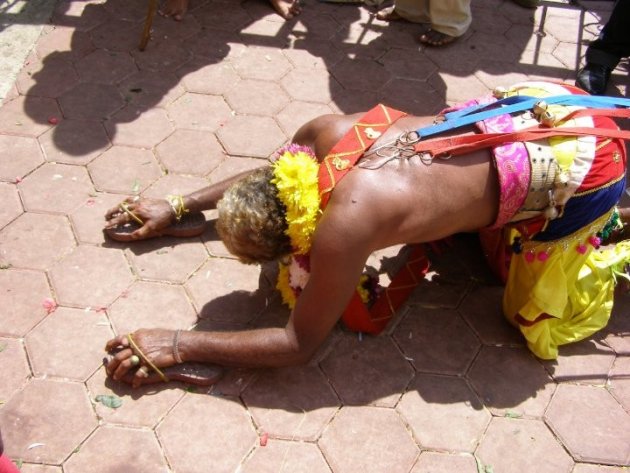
(514, 104)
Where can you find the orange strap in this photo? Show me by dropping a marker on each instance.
(351, 147)
(456, 145)
(333, 168)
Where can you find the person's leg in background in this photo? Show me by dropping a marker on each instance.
(450, 19)
(603, 54)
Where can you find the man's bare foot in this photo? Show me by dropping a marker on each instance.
(388, 14)
(436, 39)
(287, 9)
(175, 9)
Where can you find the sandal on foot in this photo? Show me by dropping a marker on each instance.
(388, 14)
(190, 225)
(190, 373)
(436, 39)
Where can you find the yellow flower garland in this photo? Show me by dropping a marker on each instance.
(295, 177)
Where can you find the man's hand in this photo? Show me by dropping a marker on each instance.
(155, 215)
(154, 345)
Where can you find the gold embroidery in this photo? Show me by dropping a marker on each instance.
(616, 156)
(372, 134)
(340, 164)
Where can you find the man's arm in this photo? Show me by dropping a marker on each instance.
(337, 260)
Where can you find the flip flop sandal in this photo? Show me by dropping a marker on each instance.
(190, 225)
(198, 374)
(436, 39)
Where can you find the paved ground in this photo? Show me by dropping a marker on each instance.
(450, 387)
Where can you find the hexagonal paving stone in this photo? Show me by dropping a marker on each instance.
(51, 354)
(146, 89)
(585, 362)
(175, 184)
(437, 341)
(91, 277)
(262, 63)
(411, 96)
(279, 455)
(88, 220)
(228, 293)
(56, 188)
(44, 409)
(74, 142)
(199, 112)
(213, 79)
(368, 439)
(584, 468)
(28, 116)
(143, 129)
(510, 381)
(216, 45)
(524, 440)
(82, 16)
(141, 407)
(105, 67)
(152, 305)
(25, 153)
(396, 61)
(308, 85)
(233, 17)
(21, 240)
(296, 114)
(66, 42)
(595, 428)
(113, 448)
(291, 403)
(233, 166)
(91, 101)
(124, 169)
(374, 363)
(11, 204)
(619, 381)
(251, 136)
(35, 468)
(186, 430)
(15, 367)
(443, 413)
(310, 53)
(22, 294)
(482, 310)
(433, 462)
(163, 56)
(190, 152)
(48, 78)
(435, 294)
(458, 88)
(361, 74)
(256, 97)
(116, 35)
(167, 259)
(165, 29)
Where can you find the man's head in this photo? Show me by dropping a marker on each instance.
(252, 220)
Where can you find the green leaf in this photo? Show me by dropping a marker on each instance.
(513, 415)
(19, 463)
(136, 186)
(5, 265)
(111, 401)
(2, 346)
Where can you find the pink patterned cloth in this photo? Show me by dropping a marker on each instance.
(511, 161)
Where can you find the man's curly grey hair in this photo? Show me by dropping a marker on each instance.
(252, 221)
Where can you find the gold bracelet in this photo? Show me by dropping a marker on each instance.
(176, 355)
(177, 204)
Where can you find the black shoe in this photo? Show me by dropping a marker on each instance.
(593, 78)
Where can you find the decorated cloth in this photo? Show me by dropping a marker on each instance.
(559, 284)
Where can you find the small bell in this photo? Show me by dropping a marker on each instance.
(551, 213)
(499, 92)
(547, 119)
(540, 108)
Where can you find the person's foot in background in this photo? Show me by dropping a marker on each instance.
(593, 78)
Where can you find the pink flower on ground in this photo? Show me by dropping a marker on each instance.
(50, 305)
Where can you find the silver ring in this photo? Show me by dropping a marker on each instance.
(144, 370)
(134, 360)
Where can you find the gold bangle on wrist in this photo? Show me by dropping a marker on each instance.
(177, 204)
